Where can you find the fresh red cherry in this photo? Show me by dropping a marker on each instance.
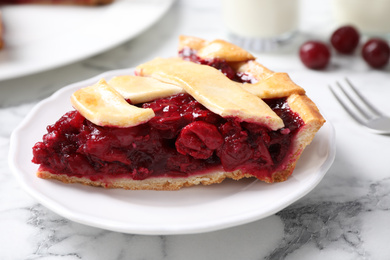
(314, 54)
(376, 52)
(345, 39)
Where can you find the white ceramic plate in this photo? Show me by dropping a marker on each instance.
(40, 37)
(190, 210)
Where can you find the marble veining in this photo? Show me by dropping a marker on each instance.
(324, 223)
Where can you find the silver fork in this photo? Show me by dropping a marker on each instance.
(360, 108)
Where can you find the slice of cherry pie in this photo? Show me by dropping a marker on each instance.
(211, 113)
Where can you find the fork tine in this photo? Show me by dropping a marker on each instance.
(350, 111)
(352, 100)
(363, 99)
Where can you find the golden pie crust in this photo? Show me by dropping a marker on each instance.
(269, 85)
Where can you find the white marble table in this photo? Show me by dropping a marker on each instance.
(345, 217)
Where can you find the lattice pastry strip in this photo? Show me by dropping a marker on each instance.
(269, 84)
(212, 89)
(207, 85)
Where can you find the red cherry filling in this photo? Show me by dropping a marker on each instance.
(177, 142)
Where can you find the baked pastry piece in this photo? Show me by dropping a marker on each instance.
(211, 113)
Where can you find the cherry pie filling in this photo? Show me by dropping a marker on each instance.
(184, 138)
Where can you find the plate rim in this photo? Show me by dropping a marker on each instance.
(201, 227)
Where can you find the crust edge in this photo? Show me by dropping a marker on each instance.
(163, 183)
